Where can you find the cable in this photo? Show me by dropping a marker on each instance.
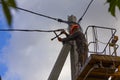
(26, 30)
(85, 11)
(56, 19)
(37, 13)
(88, 73)
(94, 66)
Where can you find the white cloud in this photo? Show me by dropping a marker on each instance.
(28, 55)
(31, 56)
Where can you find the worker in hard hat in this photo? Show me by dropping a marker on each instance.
(79, 38)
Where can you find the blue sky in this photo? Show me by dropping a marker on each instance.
(4, 37)
(31, 56)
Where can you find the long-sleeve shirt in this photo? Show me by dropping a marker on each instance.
(80, 40)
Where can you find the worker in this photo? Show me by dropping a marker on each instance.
(75, 34)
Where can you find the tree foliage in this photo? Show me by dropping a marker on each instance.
(112, 6)
(6, 5)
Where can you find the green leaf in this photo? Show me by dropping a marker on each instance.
(108, 1)
(112, 6)
(118, 4)
(7, 12)
(12, 3)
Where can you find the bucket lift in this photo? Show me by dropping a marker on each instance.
(100, 65)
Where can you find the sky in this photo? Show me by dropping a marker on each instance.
(3, 42)
(31, 56)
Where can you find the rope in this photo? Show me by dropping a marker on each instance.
(85, 11)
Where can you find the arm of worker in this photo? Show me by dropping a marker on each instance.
(64, 32)
(69, 38)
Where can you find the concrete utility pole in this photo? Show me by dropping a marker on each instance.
(73, 52)
(59, 62)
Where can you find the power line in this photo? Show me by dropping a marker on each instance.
(85, 11)
(37, 13)
(56, 19)
(28, 30)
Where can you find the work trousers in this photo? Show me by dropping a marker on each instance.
(82, 53)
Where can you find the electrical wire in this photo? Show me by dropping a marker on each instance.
(28, 30)
(37, 13)
(85, 11)
(56, 19)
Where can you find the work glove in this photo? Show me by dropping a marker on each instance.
(59, 39)
(63, 32)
